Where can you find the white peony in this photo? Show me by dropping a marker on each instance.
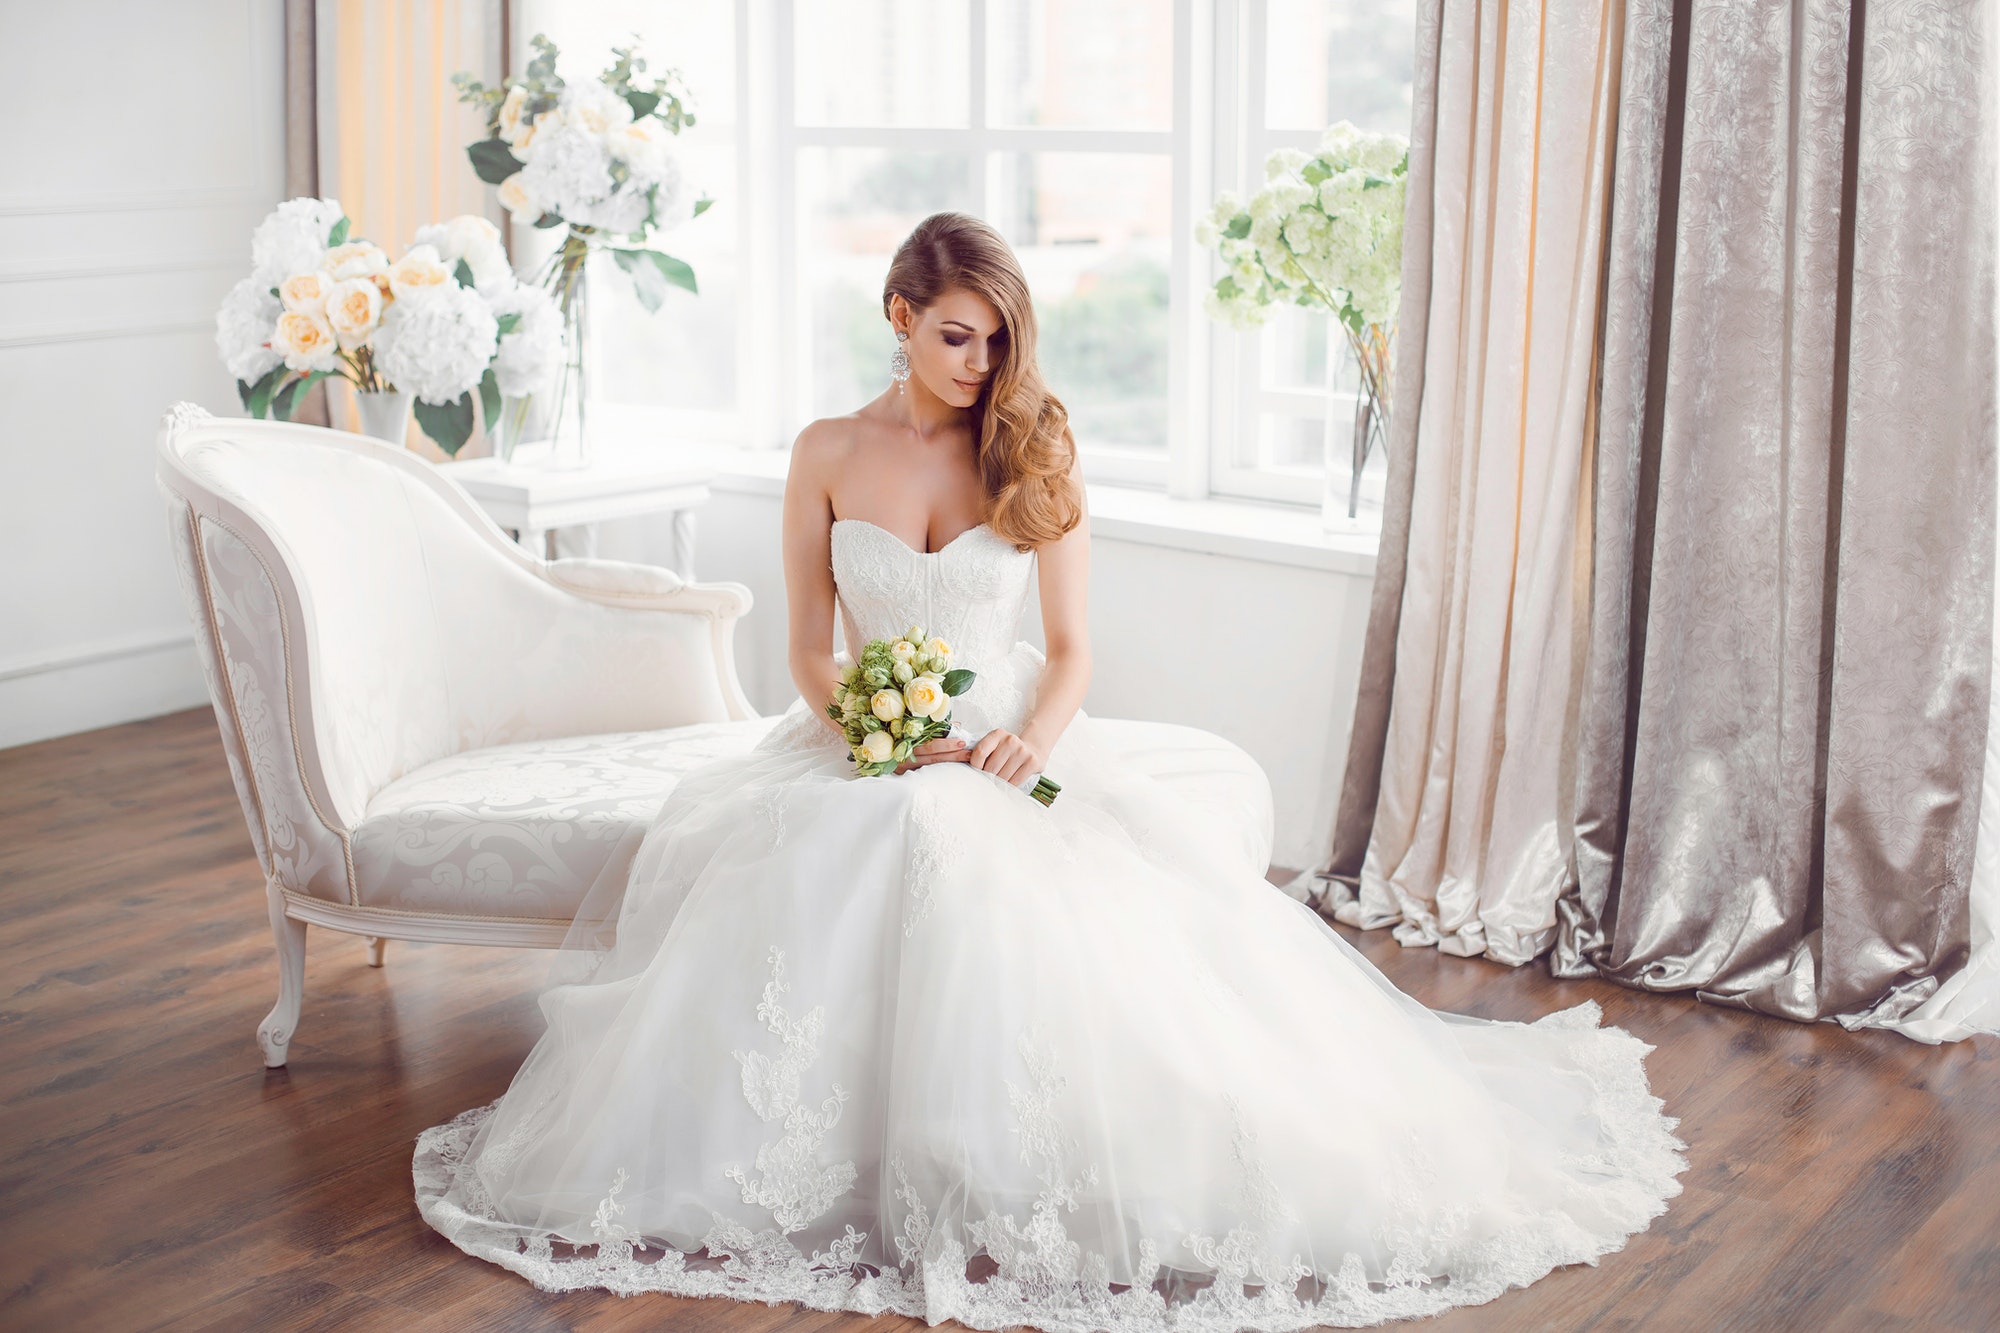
(353, 309)
(437, 344)
(521, 206)
(510, 113)
(243, 328)
(356, 259)
(475, 240)
(305, 341)
(292, 239)
(418, 272)
(591, 106)
(305, 291)
(529, 355)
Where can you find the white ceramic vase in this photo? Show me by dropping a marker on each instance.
(385, 414)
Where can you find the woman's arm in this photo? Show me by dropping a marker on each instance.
(808, 555)
(1064, 574)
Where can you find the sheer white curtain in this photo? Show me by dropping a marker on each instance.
(1469, 842)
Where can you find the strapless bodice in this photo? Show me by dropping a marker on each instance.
(971, 592)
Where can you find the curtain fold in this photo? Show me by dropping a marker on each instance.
(1466, 832)
(1785, 705)
(391, 131)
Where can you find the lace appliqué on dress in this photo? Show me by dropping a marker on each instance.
(792, 1183)
(934, 855)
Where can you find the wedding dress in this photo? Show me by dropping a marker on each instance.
(917, 1044)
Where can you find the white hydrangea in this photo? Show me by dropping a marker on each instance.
(568, 170)
(243, 329)
(527, 356)
(437, 344)
(292, 239)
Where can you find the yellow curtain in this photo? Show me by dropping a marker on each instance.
(392, 132)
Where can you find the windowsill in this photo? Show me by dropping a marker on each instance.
(1241, 529)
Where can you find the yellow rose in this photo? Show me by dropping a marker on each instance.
(304, 340)
(353, 309)
(305, 292)
(887, 704)
(925, 697)
(418, 271)
(355, 259)
(877, 746)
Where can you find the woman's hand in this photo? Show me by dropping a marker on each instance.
(942, 750)
(1005, 755)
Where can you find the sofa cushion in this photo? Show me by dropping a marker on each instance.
(523, 830)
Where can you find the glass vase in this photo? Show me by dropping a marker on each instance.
(571, 443)
(385, 414)
(512, 427)
(1349, 443)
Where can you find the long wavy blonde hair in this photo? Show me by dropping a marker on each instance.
(1026, 451)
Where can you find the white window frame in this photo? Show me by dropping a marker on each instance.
(1217, 141)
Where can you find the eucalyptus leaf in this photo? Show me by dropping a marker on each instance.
(448, 424)
(492, 160)
(338, 236)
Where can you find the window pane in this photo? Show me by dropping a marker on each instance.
(1081, 64)
(695, 37)
(857, 205)
(1295, 446)
(1091, 233)
(881, 62)
(1293, 350)
(1331, 60)
(684, 354)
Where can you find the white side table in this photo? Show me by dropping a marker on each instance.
(534, 499)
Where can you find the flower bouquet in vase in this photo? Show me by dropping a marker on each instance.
(1325, 232)
(423, 333)
(897, 696)
(594, 156)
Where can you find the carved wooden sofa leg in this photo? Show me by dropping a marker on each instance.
(376, 944)
(274, 1034)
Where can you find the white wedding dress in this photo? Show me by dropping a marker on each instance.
(918, 1044)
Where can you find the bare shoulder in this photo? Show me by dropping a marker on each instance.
(826, 443)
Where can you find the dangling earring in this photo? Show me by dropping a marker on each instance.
(899, 362)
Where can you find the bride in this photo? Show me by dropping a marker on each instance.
(918, 1044)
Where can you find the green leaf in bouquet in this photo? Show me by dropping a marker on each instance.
(642, 104)
(463, 272)
(338, 236)
(275, 292)
(547, 220)
(957, 681)
(651, 273)
(489, 401)
(448, 424)
(286, 400)
(543, 65)
(1314, 171)
(493, 161)
(701, 206)
(509, 322)
(1238, 228)
(258, 401)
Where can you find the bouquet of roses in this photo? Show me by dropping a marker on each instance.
(896, 697)
(447, 321)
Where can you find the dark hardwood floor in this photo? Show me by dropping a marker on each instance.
(154, 1175)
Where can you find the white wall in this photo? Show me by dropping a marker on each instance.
(1266, 654)
(148, 144)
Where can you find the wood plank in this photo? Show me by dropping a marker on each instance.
(154, 1175)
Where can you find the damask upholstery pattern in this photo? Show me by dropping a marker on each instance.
(523, 830)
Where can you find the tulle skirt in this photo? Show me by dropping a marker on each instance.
(918, 1044)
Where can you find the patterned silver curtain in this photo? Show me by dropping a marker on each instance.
(1785, 703)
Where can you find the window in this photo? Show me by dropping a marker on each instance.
(1089, 132)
